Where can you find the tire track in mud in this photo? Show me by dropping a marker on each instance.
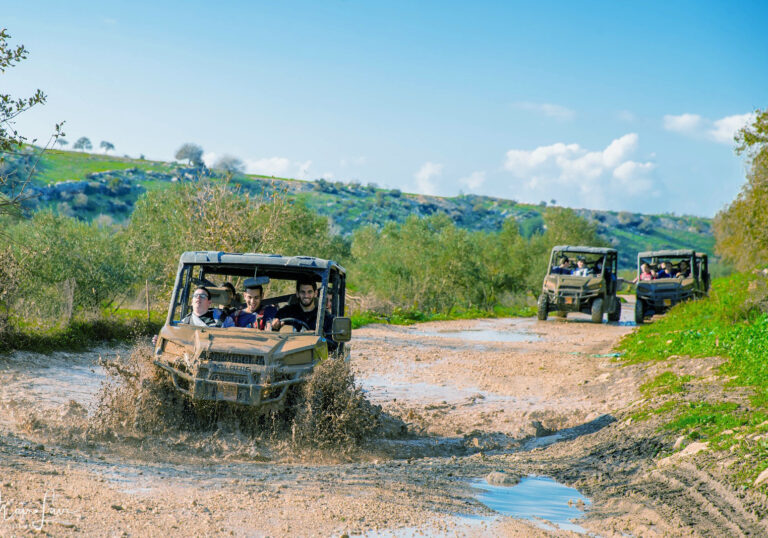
(712, 508)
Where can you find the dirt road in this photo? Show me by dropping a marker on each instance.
(488, 402)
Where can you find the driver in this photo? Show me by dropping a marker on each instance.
(305, 310)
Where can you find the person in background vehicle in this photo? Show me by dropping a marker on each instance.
(253, 315)
(564, 268)
(202, 315)
(305, 311)
(685, 271)
(581, 268)
(665, 271)
(645, 273)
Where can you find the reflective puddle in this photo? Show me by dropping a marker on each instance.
(547, 503)
(379, 388)
(484, 335)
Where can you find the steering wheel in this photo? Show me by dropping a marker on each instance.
(297, 324)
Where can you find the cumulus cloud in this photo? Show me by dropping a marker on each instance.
(548, 109)
(721, 131)
(684, 123)
(268, 166)
(579, 177)
(473, 181)
(424, 177)
(724, 129)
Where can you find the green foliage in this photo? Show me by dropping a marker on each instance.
(432, 266)
(740, 228)
(68, 266)
(427, 264)
(666, 383)
(10, 108)
(78, 334)
(214, 215)
(732, 323)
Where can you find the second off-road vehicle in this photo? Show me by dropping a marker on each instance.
(591, 290)
(687, 278)
(246, 365)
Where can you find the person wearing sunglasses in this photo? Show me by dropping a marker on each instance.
(202, 315)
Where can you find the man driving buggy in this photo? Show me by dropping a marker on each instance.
(303, 314)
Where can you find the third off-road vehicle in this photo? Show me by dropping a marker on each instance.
(591, 290)
(688, 278)
(245, 365)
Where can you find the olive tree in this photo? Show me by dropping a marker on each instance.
(83, 143)
(190, 152)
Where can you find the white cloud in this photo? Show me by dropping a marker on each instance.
(304, 169)
(328, 176)
(268, 166)
(725, 129)
(548, 109)
(684, 123)
(581, 178)
(721, 131)
(424, 175)
(209, 158)
(473, 181)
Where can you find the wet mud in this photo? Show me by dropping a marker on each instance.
(417, 435)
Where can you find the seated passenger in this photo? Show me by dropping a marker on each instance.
(685, 271)
(564, 268)
(202, 315)
(581, 268)
(253, 315)
(645, 273)
(665, 271)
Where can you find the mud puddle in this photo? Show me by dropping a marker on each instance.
(489, 331)
(53, 380)
(547, 503)
(380, 389)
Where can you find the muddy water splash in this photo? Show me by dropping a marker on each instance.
(124, 404)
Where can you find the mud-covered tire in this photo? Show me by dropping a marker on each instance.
(639, 312)
(543, 307)
(597, 311)
(615, 313)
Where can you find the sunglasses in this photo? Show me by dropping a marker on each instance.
(199, 295)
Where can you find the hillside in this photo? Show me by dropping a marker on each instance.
(98, 186)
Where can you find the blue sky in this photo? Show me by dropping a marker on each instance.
(604, 105)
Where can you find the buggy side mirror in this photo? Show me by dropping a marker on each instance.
(342, 329)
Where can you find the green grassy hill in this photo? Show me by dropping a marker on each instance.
(97, 186)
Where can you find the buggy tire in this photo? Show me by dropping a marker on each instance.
(543, 307)
(639, 312)
(597, 311)
(615, 313)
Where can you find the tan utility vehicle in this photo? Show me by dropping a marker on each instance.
(687, 278)
(591, 290)
(247, 365)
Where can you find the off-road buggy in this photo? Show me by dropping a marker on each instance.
(689, 280)
(594, 294)
(245, 365)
